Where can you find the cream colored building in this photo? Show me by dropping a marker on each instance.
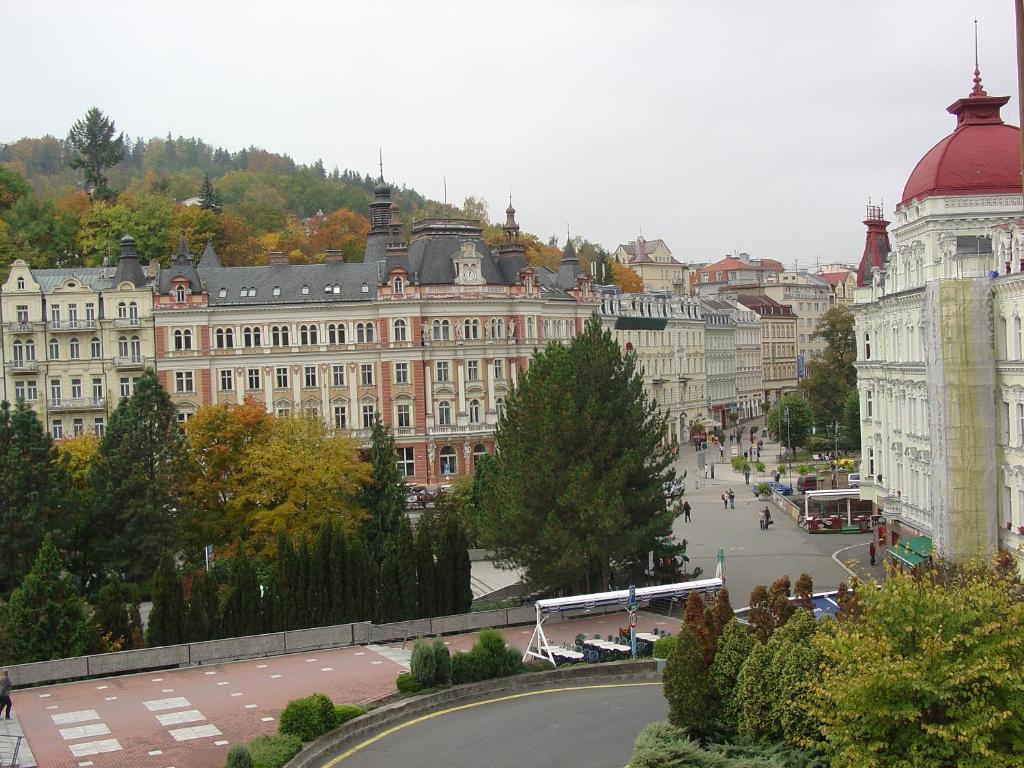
(654, 263)
(940, 365)
(720, 359)
(778, 345)
(667, 333)
(76, 339)
(749, 369)
(810, 297)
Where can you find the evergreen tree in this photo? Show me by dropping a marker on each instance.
(687, 687)
(734, 645)
(761, 616)
(405, 549)
(204, 608)
(695, 619)
(360, 581)
(721, 613)
(384, 496)
(209, 200)
(454, 570)
(752, 695)
(116, 616)
(389, 596)
(341, 593)
(243, 602)
(578, 481)
(320, 578)
(463, 597)
(139, 477)
(303, 596)
(45, 618)
(33, 493)
(426, 573)
(167, 618)
(850, 434)
(96, 149)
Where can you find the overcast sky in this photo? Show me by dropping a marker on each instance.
(719, 126)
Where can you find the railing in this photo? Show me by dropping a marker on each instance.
(129, 361)
(75, 404)
(127, 322)
(469, 429)
(72, 325)
(19, 327)
(402, 431)
(9, 748)
(24, 366)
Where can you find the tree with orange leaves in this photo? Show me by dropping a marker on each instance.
(343, 230)
(626, 278)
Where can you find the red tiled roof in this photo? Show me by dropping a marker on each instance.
(834, 278)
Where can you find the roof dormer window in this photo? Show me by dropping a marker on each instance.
(365, 288)
(277, 290)
(223, 292)
(243, 293)
(179, 294)
(337, 288)
(327, 289)
(252, 293)
(305, 290)
(21, 283)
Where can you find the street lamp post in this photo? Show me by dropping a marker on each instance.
(789, 443)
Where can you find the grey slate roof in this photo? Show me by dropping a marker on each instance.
(128, 267)
(259, 284)
(549, 287)
(96, 278)
(209, 259)
(181, 266)
(428, 260)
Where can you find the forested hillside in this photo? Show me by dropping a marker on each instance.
(248, 202)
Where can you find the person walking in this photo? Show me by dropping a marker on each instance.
(767, 517)
(725, 501)
(5, 694)
(732, 499)
(686, 511)
(762, 520)
(871, 552)
(746, 476)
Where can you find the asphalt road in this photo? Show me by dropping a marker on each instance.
(591, 726)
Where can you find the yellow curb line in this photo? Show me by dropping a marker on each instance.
(421, 718)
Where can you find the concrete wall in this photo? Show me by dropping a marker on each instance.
(338, 636)
(232, 648)
(143, 658)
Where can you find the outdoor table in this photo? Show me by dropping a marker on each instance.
(566, 654)
(648, 637)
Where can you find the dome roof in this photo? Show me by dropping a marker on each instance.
(982, 156)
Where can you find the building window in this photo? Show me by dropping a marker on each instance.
(74, 349)
(277, 290)
(1016, 338)
(471, 328)
(307, 335)
(479, 451)
(54, 350)
(252, 337)
(474, 411)
(184, 416)
(179, 294)
(366, 374)
(253, 379)
(183, 382)
(399, 331)
(444, 413)
(55, 390)
(499, 407)
(31, 391)
(364, 333)
(94, 348)
(98, 426)
(442, 371)
(227, 380)
(279, 335)
(224, 338)
(336, 333)
(57, 429)
(126, 387)
(21, 283)
(406, 462)
(310, 376)
(403, 415)
(369, 411)
(21, 311)
(55, 314)
(283, 412)
(499, 370)
(122, 310)
(868, 404)
(133, 312)
(449, 464)
(1004, 423)
(401, 373)
(77, 427)
(76, 389)
(19, 390)
(338, 375)
(341, 417)
(399, 285)
(442, 330)
(72, 315)
(183, 339)
(497, 328)
(122, 346)
(531, 330)
(281, 377)
(473, 370)
(867, 346)
(136, 348)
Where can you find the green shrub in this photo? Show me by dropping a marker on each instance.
(424, 664)
(345, 712)
(663, 647)
(464, 668)
(239, 757)
(740, 463)
(805, 469)
(274, 750)
(492, 657)
(308, 718)
(764, 489)
(760, 466)
(407, 683)
(442, 663)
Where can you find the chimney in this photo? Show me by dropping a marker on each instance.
(278, 257)
(333, 256)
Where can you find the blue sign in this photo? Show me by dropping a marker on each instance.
(632, 595)
(801, 370)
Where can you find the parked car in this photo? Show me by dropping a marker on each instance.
(674, 488)
(806, 483)
(853, 479)
(785, 490)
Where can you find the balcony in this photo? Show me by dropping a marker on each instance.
(72, 325)
(24, 366)
(20, 327)
(127, 322)
(76, 404)
(469, 429)
(129, 362)
(404, 431)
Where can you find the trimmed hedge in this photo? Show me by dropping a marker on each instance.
(308, 718)
(406, 683)
(488, 659)
(663, 646)
(424, 664)
(239, 757)
(274, 750)
(442, 663)
(345, 712)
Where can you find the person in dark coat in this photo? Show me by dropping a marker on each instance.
(871, 552)
(5, 695)
(686, 511)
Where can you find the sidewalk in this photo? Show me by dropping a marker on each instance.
(10, 731)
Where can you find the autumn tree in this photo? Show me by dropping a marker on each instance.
(695, 619)
(803, 591)
(581, 412)
(627, 279)
(301, 476)
(721, 613)
(96, 149)
(341, 230)
(761, 616)
(831, 375)
(782, 608)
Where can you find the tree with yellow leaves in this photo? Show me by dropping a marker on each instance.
(626, 278)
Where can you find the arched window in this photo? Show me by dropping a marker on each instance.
(399, 331)
(867, 345)
(17, 353)
(497, 328)
(54, 349)
(30, 350)
(133, 310)
(336, 333)
(1016, 338)
(531, 330)
(122, 310)
(307, 335)
(369, 333)
(479, 451)
(122, 346)
(444, 413)
(399, 285)
(471, 328)
(449, 463)
(74, 349)
(364, 333)
(183, 339)
(179, 294)
(21, 283)
(136, 348)
(442, 330)
(474, 411)
(247, 337)
(499, 407)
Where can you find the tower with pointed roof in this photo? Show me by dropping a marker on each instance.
(128, 267)
(876, 245)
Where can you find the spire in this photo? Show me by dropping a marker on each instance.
(128, 267)
(209, 259)
(876, 244)
(182, 254)
(977, 90)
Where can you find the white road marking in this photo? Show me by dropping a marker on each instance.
(110, 698)
(81, 731)
(236, 694)
(195, 732)
(274, 677)
(85, 764)
(177, 718)
(261, 666)
(157, 704)
(221, 743)
(223, 682)
(376, 662)
(156, 752)
(45, 695)
(360, 653)
(327, 669)
(309, 660)
(167, 690)
(53, 706)
(102, 687)
(266, 719)
(64, 718)
(209, 673)
(157, 680)
(87, 748)
(251, 706)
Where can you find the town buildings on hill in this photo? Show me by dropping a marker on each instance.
(940, 365)
(658, 269)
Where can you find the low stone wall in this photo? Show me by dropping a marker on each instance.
(786, 506)
(234, 648)
(45, 671)
(143, 658)
(323, 749)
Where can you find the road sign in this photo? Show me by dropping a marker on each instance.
(632, 619)
(632, 595)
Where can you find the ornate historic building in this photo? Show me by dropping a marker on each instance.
(778, 345)
(940, 365)
(654, 263)
(720, 359)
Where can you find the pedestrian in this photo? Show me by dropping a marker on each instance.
(5, 694)
(871, 552)
(767, 517)
(777, 475)
(746, 477)
(721, 452)
(686, 511)
(725, 501)
(762, 520)
(732, 499)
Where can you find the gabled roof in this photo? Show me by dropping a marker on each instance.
(259, 283)
(729, 262)
(834, 278)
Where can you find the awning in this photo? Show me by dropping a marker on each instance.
(913, 551)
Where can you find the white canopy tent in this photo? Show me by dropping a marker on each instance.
(539, 647)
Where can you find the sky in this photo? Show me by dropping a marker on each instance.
(718, 126)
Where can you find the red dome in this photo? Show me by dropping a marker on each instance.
(981, 157)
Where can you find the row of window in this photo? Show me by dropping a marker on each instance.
(77, 427)
(28, 389)
(22, 352)
(125, 311)
(280, 335)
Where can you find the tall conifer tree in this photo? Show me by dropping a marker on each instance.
(167, 618)
(243, 603)
(384, 496)
(426, 573)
